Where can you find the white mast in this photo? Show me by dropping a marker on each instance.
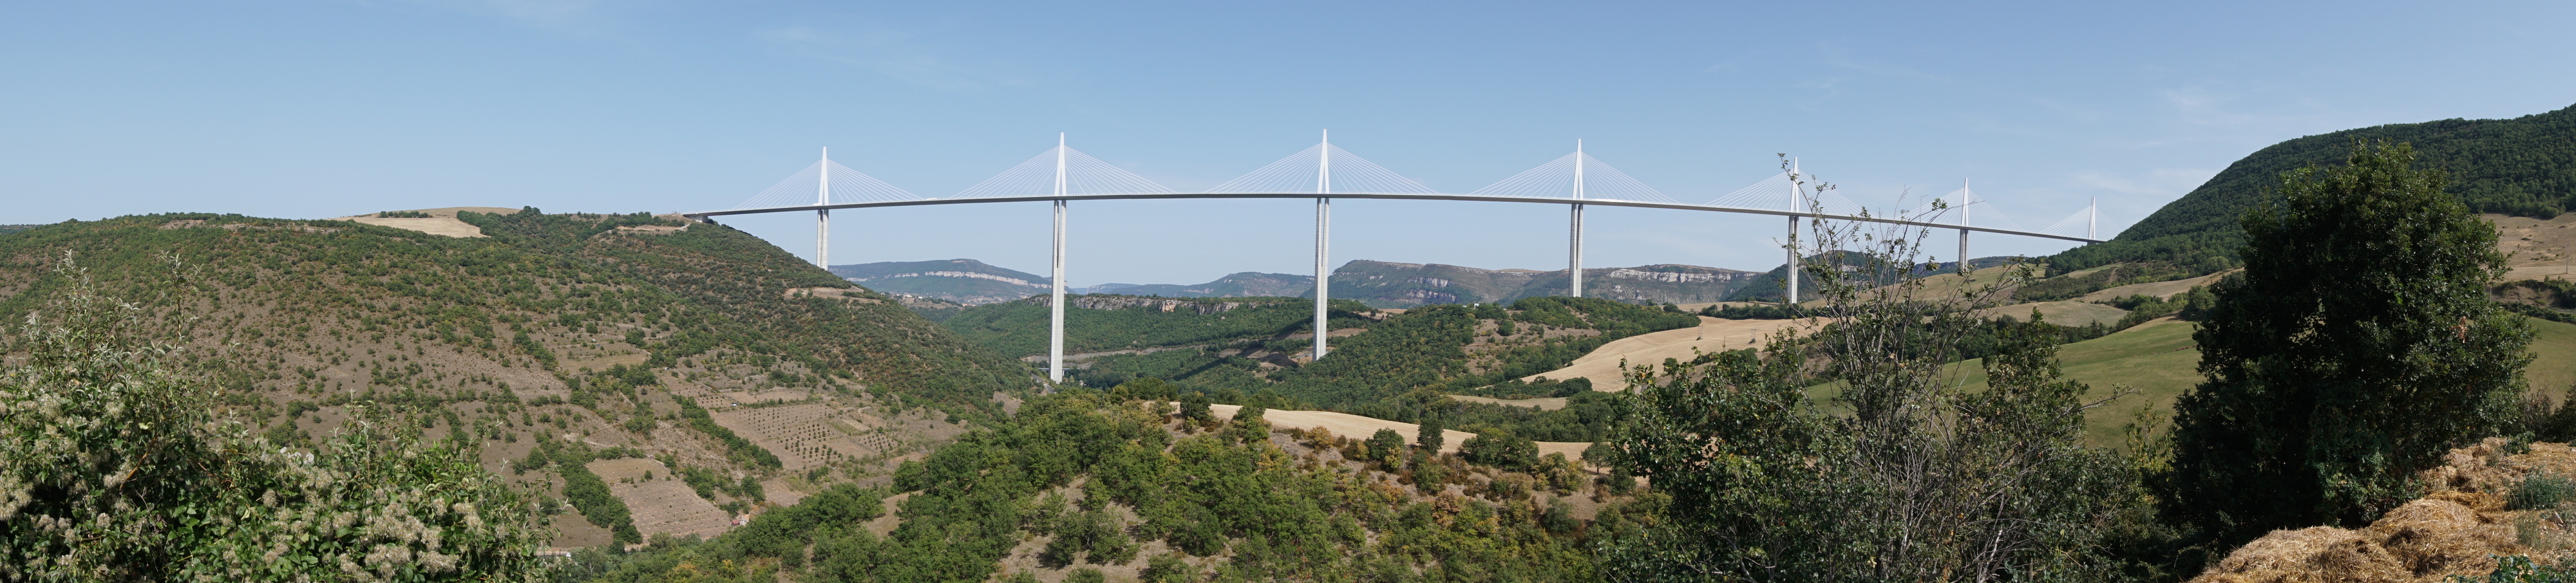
(1055, 320)
(1793, 232)
(823, 217)
(1574, 248)
(1323, 238)
(1966, 199)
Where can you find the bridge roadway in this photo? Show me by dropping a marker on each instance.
(1390, 196)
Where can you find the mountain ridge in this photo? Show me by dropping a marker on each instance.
(1379, 284)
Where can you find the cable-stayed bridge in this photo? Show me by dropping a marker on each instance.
(1325, 172)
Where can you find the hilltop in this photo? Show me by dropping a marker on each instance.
(659, 375)
(2524, 167)
(964, 281)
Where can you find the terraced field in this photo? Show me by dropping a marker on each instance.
(659, 501)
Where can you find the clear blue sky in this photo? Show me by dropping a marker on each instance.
(312, 109)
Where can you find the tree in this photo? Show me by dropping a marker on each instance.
(1500, 449)
(1910, 473)
(1386, 445)
(113, 467)
(2357, 347)
(1194, 407)
(1428, 435)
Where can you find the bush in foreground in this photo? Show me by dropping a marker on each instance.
(113, 468)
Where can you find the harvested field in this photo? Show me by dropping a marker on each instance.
(441, 221)
(661, 504)
(1539, 403)
(2161, 289)
(1712, 335)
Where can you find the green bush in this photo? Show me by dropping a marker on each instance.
(2539, 491)
(114, 468)
(1501, 450)
(1386, 445)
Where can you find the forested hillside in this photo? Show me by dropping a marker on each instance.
(1399, 368)
(1404, 285)
(1121, 322)
(566, 348)
(2522, 166)
(1248, 284)
(1090, 486)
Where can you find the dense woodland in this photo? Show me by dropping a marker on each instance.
(1019, 328)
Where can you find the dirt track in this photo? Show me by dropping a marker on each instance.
(1712, 335)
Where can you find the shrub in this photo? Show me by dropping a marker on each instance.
(1501, 449)
(1386, 446)
(114, 468)
(2539, 491)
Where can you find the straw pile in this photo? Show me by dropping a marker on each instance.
(2456, 530)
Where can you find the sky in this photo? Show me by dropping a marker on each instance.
(318, 108)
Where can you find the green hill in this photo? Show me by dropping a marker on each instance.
(2522, 166)
(1248, 284)
(564, 348)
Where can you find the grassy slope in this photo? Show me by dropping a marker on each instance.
(2159, 360)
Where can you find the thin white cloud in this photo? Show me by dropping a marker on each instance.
(909, 56)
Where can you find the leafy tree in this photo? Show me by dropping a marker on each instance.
(1386, 445)
(1194, 407)
(1428, 435)
(2358, 346)
(1501, 449)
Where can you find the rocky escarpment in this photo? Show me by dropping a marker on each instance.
(1200, 306)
